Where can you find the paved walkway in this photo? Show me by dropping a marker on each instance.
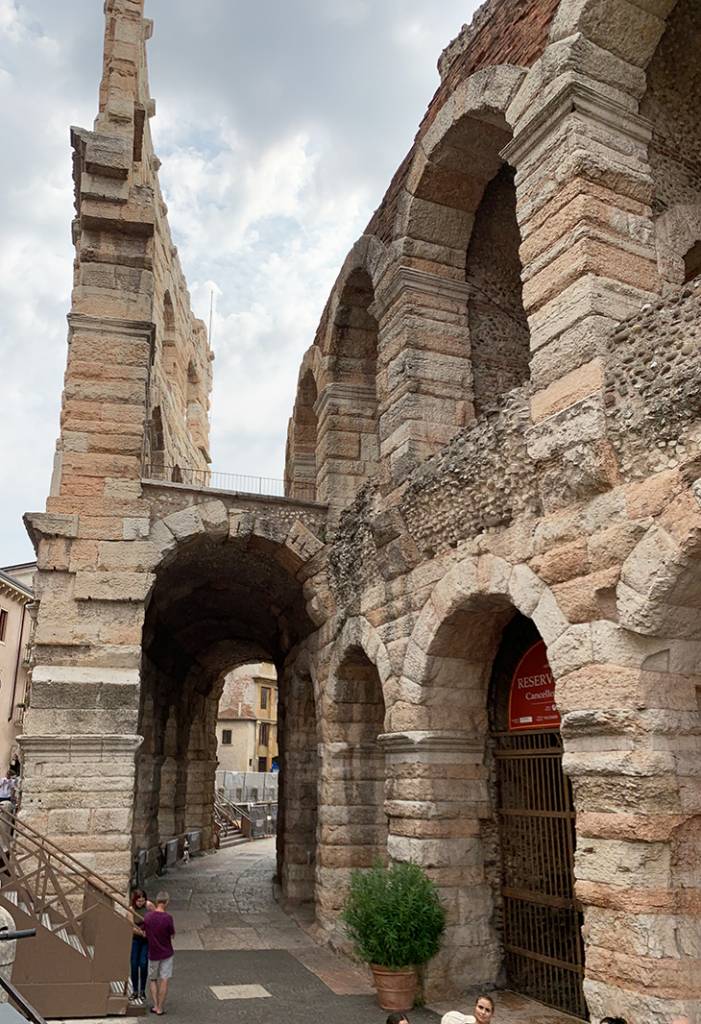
(241, 958)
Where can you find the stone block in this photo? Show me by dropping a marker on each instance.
(185, 524)
(112, 586)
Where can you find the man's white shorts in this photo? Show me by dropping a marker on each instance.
(160, 969)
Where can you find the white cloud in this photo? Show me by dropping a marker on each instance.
(279, 126)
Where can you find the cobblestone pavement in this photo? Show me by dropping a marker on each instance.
(240, 958)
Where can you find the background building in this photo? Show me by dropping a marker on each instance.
(247, 720)
(15, 625)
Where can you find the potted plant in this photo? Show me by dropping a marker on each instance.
(395, 919)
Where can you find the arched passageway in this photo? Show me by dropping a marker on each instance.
(539, 919)
(218, 604)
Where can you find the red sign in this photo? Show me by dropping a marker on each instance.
(532, 695)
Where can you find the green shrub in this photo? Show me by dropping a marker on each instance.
(394, 915)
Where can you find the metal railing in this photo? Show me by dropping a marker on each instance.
(83, 925)
(248, 787)
(241, 483)
(255, 821)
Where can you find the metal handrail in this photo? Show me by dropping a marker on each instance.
(240, 483)
(227, 806)
(25, 831)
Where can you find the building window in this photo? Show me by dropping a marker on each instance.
(226, 737)
(262, 764)
(264, 734)
(3, 624)
(264, 697)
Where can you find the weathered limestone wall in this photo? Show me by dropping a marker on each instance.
(574, 500)
(571, 497)
(127, 358)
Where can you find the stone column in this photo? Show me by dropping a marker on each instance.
(424, 379)
(631, 737)
(347, 442)
(201, 776)
(299, 779)
(79, 790)
(352, 829)
(583, 205)
(438, 807)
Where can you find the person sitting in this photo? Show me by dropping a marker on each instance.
(483, 1013)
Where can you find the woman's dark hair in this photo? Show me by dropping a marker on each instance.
(397, 1018)
(136, 894)
(483, 995)
(613, 1020)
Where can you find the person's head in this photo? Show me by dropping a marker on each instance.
(484, 1008)
(397, 1018)
(9, 773)
(138, 898)
(613, 1020)
(162, 899)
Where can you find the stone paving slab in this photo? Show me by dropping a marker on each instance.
(341, 978)
(233, 940)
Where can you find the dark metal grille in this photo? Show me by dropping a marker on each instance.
(542, 919)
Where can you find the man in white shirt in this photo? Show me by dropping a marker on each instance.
(7, 786)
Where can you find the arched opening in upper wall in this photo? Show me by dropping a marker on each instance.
(301, 460)
(499, 336)
(348, 438)
(671, 105)
(461, 221)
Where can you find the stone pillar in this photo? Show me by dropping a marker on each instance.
(347, 445)
(168, 780)
(299, 779)
(438, 807)
(352, 821)
(201, 777)
(583, 206)
(631, 750)
(424, 365)
(79, 790)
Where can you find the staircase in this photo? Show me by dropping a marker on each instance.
(229, 821)
(77, 965)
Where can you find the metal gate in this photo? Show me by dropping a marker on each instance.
(542, 919)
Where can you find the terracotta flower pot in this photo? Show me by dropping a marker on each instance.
(396, 990)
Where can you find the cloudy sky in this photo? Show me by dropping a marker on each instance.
(279, 124)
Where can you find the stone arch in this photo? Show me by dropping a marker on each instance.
(452, 164)
(629, 31)
(223, 590)
(440, 758)
(670, 105)
(301, 469)
(459, 215)
(348, 442)
(659, 590)
(491, 589)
